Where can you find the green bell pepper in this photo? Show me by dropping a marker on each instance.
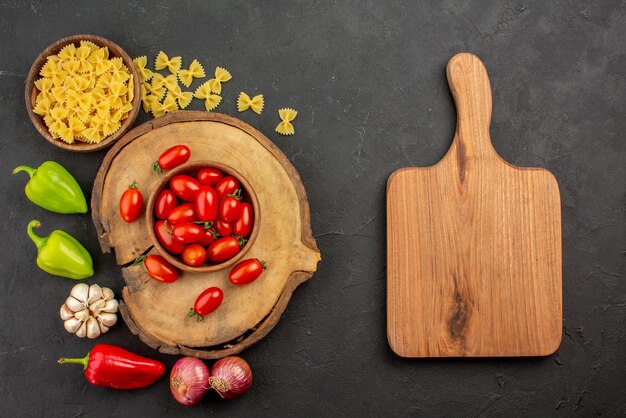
(52, 187)
(61, 254)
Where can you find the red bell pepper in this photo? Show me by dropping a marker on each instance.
(108, 365)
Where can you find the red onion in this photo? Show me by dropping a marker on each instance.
(188, 380)
(231, 377)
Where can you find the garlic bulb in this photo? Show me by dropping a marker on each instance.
(89, 310)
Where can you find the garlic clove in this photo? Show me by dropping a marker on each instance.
(80, 292)
(66, 313)
(111, 306)
(108, 319)
(74, 304)
(97, 306)
(95, 293)
(81, 332)
(82, 315)
(107, 294)
(103, 328)
(72, 325)
(93, 330)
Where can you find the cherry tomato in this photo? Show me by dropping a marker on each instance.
(210, 235)
(230, 207)
(172, 157)
(207, 302)
(224, 249)
(131, 203)
(185, 213)
(207, 204)
(223, 228)
(194, 255)
(209, 176)
(187, 233)
(185, 187)
(162, 230)
(164, 203)
(243, 225)
(160, 269)
(246, 271)
(226, 186)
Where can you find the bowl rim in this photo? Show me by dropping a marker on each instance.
(30, 92)
(185, 168)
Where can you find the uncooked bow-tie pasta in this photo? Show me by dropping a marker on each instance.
(162, 61)
(285, 127)
(83, 94)
(221, 76)
(195, 71)
(244, 102)
(145, 74)
(211, 101)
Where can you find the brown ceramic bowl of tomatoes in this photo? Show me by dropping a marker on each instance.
(203, 216)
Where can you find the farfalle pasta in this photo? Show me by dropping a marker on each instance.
(211, 101)
(195, 71)
(83, 94)
(244, 102)
(162, 61)
(140, 63)
(221, 76)
(285, 127)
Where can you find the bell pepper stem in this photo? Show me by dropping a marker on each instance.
(39, 241)
(30, 170)
(84, 361)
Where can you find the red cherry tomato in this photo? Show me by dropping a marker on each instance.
(210, 235)
(172, 157)
(207, 204)
(194, 255)
(162, 230)
(230, 207)
(224, 249)
(226, 186)
(185, 213)
(209, 176)
(131, 203)
(243, 225)
(246, 271)
(164, 203)
(207, 302)
(187, 233)
(223, 228)
(160, 269)
(185, 187)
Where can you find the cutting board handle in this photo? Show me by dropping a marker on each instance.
(469, 83)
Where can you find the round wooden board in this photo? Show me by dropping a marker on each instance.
(156, 312)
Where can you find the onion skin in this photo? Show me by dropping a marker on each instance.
(231, 377)
(188, 380)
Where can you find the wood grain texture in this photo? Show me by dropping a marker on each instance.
(473, 244)
(157, 311)
(31, 92)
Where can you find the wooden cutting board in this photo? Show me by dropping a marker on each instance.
(473, 244)
(156, 311)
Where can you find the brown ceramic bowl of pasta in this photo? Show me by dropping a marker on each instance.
(83, 93)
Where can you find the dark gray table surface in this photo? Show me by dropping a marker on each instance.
(368, 81)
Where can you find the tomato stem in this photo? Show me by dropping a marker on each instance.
(193, 313)
(139, 260)
(170, 230)
(133, 185)
(263, 264)
(156, 167)
(236, 194)
(242, 241)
